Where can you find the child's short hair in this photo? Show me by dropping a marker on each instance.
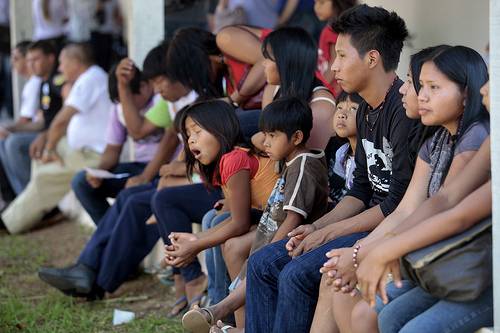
(155, 63)
(134, 84)
(288, 115)
(353, 97)
(374, 28)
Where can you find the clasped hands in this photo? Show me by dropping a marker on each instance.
(182, 250)
(371, 276)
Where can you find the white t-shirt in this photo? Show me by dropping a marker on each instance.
(30, 97)
(89, 95)
(45, 29)
(81, 19)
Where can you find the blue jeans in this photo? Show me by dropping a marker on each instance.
(15, 158)
(94, 200)
(411, 309)
(249, 122)
(122, 238)
(218, 277)
(176, 208)
(282, 293)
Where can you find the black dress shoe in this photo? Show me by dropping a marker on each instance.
(76, 280)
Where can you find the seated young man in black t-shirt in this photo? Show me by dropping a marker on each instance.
(367, 54)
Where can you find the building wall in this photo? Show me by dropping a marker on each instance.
(431, 22)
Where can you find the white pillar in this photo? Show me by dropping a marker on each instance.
(495, 149)
(21, 28)
(145, 27)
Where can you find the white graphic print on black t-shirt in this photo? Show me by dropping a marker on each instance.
(379, 164)
(382, 165)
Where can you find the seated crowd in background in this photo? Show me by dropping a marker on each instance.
(313, 169)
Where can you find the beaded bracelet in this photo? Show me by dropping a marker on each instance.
(355, 256)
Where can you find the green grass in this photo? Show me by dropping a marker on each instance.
(57, 313)
(50, 311)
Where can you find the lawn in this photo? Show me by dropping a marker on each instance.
(28, 305)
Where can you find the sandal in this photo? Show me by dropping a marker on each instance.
(198, 320)
(179, 301)
(199, 301)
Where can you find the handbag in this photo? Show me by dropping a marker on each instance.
(458, 268)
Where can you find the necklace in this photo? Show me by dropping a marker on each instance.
(371, 115)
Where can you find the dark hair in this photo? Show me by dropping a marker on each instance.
(374, 28)
(134, 84)
(421, 133)
(287, 115)
(154, 64)
(418, 59)
(296, 57)
(188, 61)
(354, 97)
(22, 47)
(45, 46)
(178, 119)
(218, 118)
(467, 69)
(340, 6)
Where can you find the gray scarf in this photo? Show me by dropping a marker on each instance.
(442, 147)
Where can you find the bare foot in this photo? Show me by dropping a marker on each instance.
(196, 289)
(180, 304)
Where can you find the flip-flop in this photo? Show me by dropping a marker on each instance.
(195, 321)
(180, 300)
(200, 300)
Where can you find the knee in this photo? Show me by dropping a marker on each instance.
(363, 318)
(324, 288)
(233, 249)
(258, 263)
(124, 195)
(11, 144)
(79, 182)
(207, 221)
(162, 198)
(291, 275)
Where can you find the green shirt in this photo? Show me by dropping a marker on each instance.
(159, 114)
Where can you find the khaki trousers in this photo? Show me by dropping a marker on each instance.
(49, 183)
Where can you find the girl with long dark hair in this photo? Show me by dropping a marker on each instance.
(290, 68)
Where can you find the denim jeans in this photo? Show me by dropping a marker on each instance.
(94, 200)
(15, 158)
(122, 238)
(249, 122)
(411, 309)
(176, 208)
(282, 293)
(218, 277)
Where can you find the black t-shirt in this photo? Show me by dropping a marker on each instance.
(383, 171)
(50, 98)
